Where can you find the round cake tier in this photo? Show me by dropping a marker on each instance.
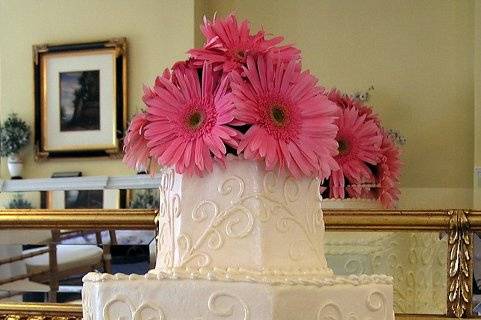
(241, 218)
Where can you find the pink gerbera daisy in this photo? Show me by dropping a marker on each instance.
(186, 64)
(359, 146)
(135, 145)
(228, 44)
(291, 121)
(188, 120)
(389, 172)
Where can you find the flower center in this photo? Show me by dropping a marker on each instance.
(343, 147)
(278, 115)
(195, 119)
(239, 55)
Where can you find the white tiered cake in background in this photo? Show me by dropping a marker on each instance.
(416, 260)
(239, 243)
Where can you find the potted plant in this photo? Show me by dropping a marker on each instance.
(18, 202)
(14, 135)
(145, 199)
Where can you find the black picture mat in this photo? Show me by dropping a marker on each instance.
(37, 97)
(120, 66)
(84, 199)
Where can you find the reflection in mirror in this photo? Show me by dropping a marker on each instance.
(416, 260)
(53, 273)
(142, 199)
(477, 274)
(48, 265)
(20, 200)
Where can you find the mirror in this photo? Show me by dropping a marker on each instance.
(416, 260)
(30, 258)
(477, 273)
(26, 270)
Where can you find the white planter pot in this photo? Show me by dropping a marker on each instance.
(15, 166)
(141, 169)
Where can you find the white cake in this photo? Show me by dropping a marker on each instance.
(239, 243)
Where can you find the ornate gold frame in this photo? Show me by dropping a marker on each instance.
(458, 223)
(117, 47)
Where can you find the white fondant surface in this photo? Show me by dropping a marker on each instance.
(141, 298)
(241, 217)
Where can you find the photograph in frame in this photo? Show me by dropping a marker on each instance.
(79, 100)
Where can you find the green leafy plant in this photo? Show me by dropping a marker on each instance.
(18, 202)
(14, 135)
(145, 199)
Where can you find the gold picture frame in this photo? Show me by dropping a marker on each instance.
(80, 99)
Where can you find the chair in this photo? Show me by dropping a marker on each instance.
(60, 261)
(14, 277)
(64, 261)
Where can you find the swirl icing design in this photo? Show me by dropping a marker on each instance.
(213, 236)
(233, 213)
(224, 305)
(417, 261)
(120, 308)
(220, 304)
(169, 211)
(375, 303)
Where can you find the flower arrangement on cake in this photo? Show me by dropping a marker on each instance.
(246, 94)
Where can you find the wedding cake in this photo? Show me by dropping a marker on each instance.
(244, 137)
(241, 243)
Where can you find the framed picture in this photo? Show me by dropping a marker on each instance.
(84, 199)
(80, 98)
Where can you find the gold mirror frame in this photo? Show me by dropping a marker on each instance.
(458, 223)
(42, 53)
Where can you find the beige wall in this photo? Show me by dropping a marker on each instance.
(418, 54)
(158, 33)
(477, 104)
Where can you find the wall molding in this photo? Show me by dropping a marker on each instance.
(81, 183)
